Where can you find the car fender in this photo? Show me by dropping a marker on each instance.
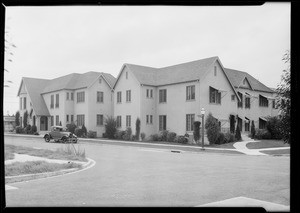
(47, 134)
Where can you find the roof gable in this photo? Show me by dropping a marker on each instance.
(245, 84)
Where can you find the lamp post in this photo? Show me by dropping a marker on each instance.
(202, 113)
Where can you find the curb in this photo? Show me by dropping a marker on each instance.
(29, 177)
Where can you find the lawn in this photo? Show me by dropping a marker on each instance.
(277, 152)
(64, 153)
(267, 144)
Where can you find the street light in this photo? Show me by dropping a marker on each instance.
(202, 113)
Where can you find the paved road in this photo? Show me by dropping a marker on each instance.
(143, 176)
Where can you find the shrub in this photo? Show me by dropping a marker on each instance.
(221, 138)
(91, 134)
(78, 132)
(137, 129)
(36, 133)
(163, 135)
(25, 118)
(181, 139)
(19, 130)
(84, 130)
(110, 127)
(171, 136)
(229, 137)
(238, 136)
(127, 135)
(196, 132)
(17, 118)
(143, 136)
(33, 129)
(119, 134)
(252, 130)
(262, 134)
(273, 124)
(71, 127)
(154, 137)
(212, 129)
(27, 129)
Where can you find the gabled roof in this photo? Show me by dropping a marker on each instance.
(236, 77)
(77, 81)
(34, 86)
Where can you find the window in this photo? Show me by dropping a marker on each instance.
(67, 96)
(99, 97)
(52, 120)
(263, 101)
(273, 104)
(57, 120)
(80, 97)
(100, 80)
(151, 118)
(147, 93)
(99, 120)
(57, 101)
(128, 121)
(190, 92)
(52, 102)
(240, 123)
(214, 96)
(147, 119)
(72, 96)
(151, 93)
(119, 97)
(119, 121)
(72, 118)
(240, 103)
(162, 122)
(232, 97)
(162, 95)
(247, 102)
(80, 120)
(190, 118)
(20, 103)
(262, 124)
(128, 95)
(215, 71)
(244, 81)
(24, 102)
(247, 125)
(67, 118)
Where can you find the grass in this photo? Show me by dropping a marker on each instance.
(34, 167)
(277, 152)
(63, 153)
(267, 144)
(225, 145)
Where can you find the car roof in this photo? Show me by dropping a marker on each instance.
(57, 127)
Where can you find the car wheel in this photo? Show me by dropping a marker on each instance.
(64, 140)
(47, 138)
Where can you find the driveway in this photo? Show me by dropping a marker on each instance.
(143, 176)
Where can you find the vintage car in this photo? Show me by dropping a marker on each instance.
(58, 133)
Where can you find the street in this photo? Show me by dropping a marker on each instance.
(143, 176)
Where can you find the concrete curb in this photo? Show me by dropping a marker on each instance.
(29, 177)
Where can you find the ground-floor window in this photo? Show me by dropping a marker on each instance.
(67, 118)
(128, 121)
(149, 119)
(119, 121)
(240, 123)
(57, 120)
(262, 124)
(72, 116)
(190, 118)
(80, 120)
(247, 125)
(52, 120)
(162, 122)
(99, 120)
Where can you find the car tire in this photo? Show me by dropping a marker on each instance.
(47, 138)
(64, 140)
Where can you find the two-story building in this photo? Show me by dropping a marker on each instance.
(171, 98)
(80, 98)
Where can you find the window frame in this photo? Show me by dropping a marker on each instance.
(189, 119)
(128, 96)
(162, 122)
(162, 95)
(99, 120)
(191, 93)
(100, 97)
(214, 96)
(80, 97)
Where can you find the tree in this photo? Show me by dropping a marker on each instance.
(197, 131)
(238, 136)
(137, 129)
(110, 127)
(25, 118)
(283, 100)
(212, 128)
(17, 118)
(252, 130)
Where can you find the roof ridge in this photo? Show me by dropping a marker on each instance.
(189, 62)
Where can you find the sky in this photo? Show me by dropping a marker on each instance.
(59, 40)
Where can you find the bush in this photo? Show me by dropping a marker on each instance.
(17, 118)
(84, 130)
(119, 134)
(154, 137)
(163, 135)
(33, 129)
(71, 127)
(262, 134)
(229, 137)
(78, 132)
(181, 139)
(36, 133)
(137, 129)
(27, 129)
(110, 127)
(19, 130)
(273, 126)
(143, 136)
(252, 130)
(221, 138)
(212, 129)
(128, 134)
(25, 116)
(171, 136)
(91, 134)
(238, 136)
(196, 132)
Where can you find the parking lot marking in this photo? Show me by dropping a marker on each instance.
(8, 187)
(247, 202)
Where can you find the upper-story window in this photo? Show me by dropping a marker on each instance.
(80, 120)
(215, 70)
(52, 102)
(128, 95)
(99, 120)
(233, 97)
(190, 92)
(214, 96)
(149, 93)
(119, 97)
(99, 97)
(68, 96)
(162, 95)
(263, 101)
(80, 97)
(244, 81)
(57, 101)
(20, 103)
(24, 99)
(100, 80)
(240, 103)
(247, 102)
(72, 96)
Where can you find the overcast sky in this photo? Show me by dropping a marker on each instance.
(56, 41)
